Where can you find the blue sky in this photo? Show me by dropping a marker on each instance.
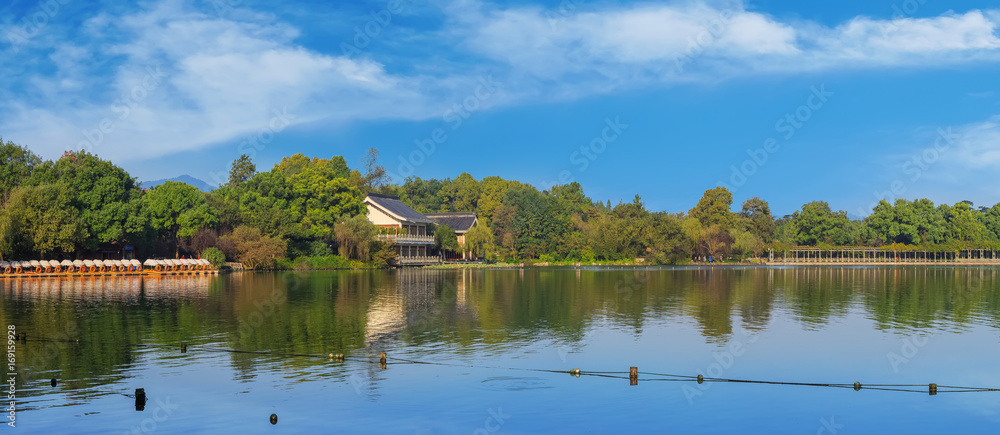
(846, 101)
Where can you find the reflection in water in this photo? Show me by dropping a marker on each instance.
(479, 312)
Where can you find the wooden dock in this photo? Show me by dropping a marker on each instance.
(879, 257)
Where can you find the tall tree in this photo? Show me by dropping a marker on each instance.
(757, 219)
(16, 166)
(714, 208)
(109, 199)
(355, 236)
(242, 171)
(40, 220)
(817, 223)
(178, 210)
(375, 177)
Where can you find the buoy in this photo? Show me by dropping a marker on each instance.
(381, 358)
(933, 389)
(575, 372)
(140, 399)
(701, 379)
(274, 418)
(857, 386)
(54, 382)
(339, 357)
(184, 347)
(633, 375)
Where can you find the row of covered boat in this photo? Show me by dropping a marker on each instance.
(101, 266)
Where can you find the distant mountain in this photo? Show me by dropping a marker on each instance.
(201, 185)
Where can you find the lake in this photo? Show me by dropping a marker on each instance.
(467, 351)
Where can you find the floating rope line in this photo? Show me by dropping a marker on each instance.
(632, 375)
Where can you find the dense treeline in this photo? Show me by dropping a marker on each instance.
(312, 208)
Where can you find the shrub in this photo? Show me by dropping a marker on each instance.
(215, 256)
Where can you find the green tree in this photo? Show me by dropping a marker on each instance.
(479, 241)
(460, 194)
(108, 198)
(756, 218)
(445, 238)
(817, 223)
(178, 210)
(16, 166)
(714, 208)
(355, 236)
(242, 171)
(40, 220)
(376, 177)
(962, 223)
(215, 256)
(251, 247)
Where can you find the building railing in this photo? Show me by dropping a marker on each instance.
(418, 260)
(396, 238)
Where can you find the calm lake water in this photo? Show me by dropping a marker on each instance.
(482, 328)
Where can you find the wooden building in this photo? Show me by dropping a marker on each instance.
(403, 226)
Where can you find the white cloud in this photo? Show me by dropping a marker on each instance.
(183, 80)
(978, 146)
(223, 76)
(696, 40)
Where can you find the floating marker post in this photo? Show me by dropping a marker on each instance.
(932, 389)
(140, 399)
(381, 358)
(633, 376)
(857, 386)
(274, 418)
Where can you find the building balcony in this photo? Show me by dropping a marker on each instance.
(406, 238)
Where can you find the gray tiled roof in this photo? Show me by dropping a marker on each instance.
(460, 222)
(392, 204)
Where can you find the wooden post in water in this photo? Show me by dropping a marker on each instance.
(633, 376)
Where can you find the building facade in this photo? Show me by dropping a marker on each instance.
(403, 226)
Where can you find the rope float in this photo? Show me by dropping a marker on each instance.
(632, 375)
